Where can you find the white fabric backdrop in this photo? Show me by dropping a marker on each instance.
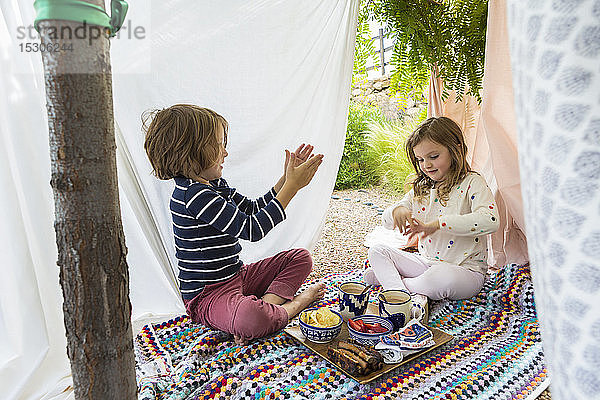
(279, 71)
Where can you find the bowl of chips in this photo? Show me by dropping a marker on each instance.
(320, 325)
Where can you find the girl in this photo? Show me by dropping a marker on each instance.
(451, 208)
(188, 144)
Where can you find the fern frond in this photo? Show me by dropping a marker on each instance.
(449, 33)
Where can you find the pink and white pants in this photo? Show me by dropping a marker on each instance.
(397, 269)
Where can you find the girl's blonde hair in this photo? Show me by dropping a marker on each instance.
(182, 140)
(446, 132)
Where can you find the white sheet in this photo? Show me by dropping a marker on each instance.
(380, 235)
(279, 71)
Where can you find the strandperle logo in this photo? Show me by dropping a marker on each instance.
(74, 38)
(84, 31)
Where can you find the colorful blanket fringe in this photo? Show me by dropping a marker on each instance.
(496, 354)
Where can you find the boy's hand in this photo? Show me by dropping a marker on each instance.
(300, 167)
(302, 153)
(299, 173)
(419, 227)
(402, 218)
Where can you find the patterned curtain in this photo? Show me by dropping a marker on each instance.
(555, 56)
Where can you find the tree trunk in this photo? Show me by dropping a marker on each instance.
(91, 246)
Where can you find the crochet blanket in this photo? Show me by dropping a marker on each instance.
(496, 354)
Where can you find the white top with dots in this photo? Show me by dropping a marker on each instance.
(468, 217)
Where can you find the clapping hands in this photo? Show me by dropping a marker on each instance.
(301, 165)
(299, 169)
(302, 153)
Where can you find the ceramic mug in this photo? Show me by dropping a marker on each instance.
(396, 306)
(354, 299)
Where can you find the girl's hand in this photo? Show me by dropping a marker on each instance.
(425, 229)
(402, 218)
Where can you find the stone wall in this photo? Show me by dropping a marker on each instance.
(376, 92)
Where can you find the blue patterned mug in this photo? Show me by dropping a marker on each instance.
(395, 306)
(354, 299)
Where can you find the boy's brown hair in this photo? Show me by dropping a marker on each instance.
(181, 140)
(446, 132)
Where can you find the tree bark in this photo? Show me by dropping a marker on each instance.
(91, 245)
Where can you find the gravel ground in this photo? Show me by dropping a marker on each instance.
(351, 216)
(349, 220)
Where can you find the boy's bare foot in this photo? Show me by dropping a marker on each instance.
(240, 341)
(293, 307)
(300, 302)
(312, 293)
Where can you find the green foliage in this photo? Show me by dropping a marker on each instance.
(449, 34)
(385, 150)
(355, 171)
(374, 149)
(364, 48)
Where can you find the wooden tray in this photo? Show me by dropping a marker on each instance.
(439, 337)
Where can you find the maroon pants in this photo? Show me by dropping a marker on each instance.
(235, 306)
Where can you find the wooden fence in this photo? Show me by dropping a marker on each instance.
(382, 50)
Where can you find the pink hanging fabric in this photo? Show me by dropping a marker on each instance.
(435, 94)
(491, 136)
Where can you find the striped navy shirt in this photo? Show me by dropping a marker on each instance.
(208, 220)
